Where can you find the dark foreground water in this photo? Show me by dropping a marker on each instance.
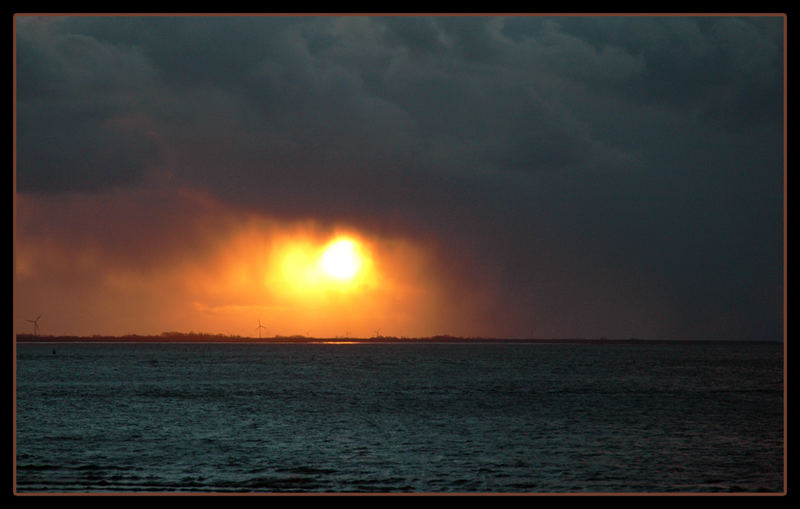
(400, 418)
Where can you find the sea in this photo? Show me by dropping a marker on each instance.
(452, 418)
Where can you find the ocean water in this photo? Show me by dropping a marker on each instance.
(393, 418)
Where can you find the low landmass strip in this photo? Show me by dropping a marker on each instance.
(200, 337)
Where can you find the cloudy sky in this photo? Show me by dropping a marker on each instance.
(523, 176)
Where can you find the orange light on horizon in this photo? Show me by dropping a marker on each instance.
(221, 272)
(300, 278)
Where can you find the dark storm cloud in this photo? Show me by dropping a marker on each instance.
(74, 94)
(626, 171)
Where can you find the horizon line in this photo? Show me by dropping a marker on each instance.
(297, 338)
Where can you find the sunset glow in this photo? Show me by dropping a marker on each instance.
(341, 259)
(224, 272)
(306, 281)
(306, 267)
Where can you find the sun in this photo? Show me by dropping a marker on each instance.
(341, 259)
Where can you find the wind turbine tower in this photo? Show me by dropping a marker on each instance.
(259, 328)
(35, 325)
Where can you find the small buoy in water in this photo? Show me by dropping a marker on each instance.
(54, 351)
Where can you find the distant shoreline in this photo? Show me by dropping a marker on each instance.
(376, 340)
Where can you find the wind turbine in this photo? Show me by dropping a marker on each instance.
(259, 328)
(35, 325)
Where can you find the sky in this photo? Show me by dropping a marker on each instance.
(526, 176)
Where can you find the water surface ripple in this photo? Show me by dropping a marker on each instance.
(453, 418)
